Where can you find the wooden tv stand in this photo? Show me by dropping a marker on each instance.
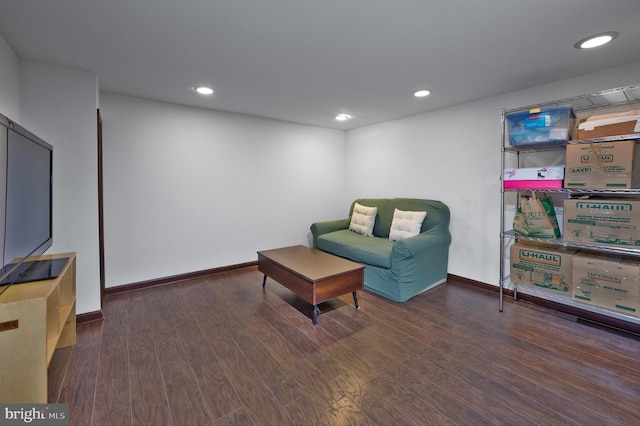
(36, 318)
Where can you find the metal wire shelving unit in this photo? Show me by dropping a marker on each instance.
(622, 97)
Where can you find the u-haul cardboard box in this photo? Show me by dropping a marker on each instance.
(600, 165)
(607, 280)
(541, 266)
(610, 222)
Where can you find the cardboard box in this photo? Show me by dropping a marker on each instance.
(607, 280)
(600, 165)
(540, 126)
(534, 178)
(609, 222)
(541, 266)
(611, 124)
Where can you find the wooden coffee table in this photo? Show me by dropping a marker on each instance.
(312, 274)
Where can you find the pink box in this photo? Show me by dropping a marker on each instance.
(534, 178)
(533, 184)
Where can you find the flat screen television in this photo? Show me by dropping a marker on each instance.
(26, 190)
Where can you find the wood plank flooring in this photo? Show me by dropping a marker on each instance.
(223, 351)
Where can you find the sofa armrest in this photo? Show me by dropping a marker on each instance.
(319, 228)
(436, 238)
(426, 254)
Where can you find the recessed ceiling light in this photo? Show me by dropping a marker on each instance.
(343, 117)
(203, 90)
(596, 40)
(421, 93)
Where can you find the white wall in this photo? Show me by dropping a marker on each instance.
(9, 82)
(188, 189)
(59, 105)
(453, 155)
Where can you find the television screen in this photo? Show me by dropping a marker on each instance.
(25, 198)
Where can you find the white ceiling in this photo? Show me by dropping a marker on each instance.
(305, 61)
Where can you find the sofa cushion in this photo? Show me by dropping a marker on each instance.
(356, 247)
(362, 219)
(406, 224)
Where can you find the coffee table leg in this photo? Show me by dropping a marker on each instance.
(264, 280)
(355, 299)
(315, 314)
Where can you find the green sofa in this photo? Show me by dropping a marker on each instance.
(399, 269)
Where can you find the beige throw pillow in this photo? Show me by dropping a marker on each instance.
(405, 224)
(362, 219)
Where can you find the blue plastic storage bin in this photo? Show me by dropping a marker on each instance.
(539, 126)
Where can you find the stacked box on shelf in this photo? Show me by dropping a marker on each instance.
(605, 221)
(610, 124)
(542, 266)
(606, 280)
(540, 126)
(534, 178)
(600, 165)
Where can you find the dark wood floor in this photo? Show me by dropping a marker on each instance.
(223, 351)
